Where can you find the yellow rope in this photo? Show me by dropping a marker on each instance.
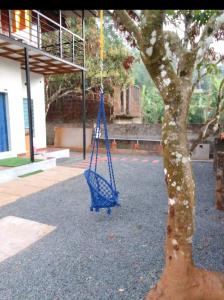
(101, 36)
(101, 47)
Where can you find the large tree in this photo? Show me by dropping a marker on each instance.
(171, 61)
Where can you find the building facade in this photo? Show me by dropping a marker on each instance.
(33, 44)
(14, 121)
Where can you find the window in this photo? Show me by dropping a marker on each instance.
(26, 114)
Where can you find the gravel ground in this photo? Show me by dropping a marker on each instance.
(96, 256)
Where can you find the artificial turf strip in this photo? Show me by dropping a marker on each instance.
(15, 161)
(31, 173)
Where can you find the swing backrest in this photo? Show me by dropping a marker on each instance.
(99, 185)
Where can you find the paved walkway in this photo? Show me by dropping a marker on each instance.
(25, 186)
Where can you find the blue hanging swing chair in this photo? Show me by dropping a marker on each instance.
(103, 192)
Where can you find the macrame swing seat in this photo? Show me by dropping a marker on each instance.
(103, 192)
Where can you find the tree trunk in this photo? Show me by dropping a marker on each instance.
(180, 279)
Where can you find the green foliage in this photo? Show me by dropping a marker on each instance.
(201, 16)
(203, 105)
(198, 111)
(141, 75)
(151, 101)
(152, 105)
(115, 51)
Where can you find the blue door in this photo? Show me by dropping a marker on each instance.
(4, 145)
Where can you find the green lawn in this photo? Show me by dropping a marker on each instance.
(15, 161)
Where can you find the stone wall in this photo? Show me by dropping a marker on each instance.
(129, 131)
(148, 131)
(152, 132)
(135, 130)
(69, 109)
(68, 113)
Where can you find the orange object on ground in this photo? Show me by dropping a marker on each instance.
(114, 145)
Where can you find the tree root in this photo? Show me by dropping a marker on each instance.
(196, 284)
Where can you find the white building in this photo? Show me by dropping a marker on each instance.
(14, 122)
(32, 44)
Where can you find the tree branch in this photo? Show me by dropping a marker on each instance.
(61, 92)
(155, 53)
(212, 26)
(127, 21)
(204, 74)
(204, 133)
(187, 23)
(221, 91)
(150, 38)
(175, 42)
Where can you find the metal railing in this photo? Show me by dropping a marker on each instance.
(37, 30)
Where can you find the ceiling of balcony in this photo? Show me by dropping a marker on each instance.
(39, 61)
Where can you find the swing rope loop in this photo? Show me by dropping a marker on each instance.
(101, 49)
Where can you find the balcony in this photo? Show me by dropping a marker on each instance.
(53, 48)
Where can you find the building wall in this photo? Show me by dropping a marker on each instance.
(29, 35)
(12, 82)
(23, 29)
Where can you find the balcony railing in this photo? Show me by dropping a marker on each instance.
(39, 31)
